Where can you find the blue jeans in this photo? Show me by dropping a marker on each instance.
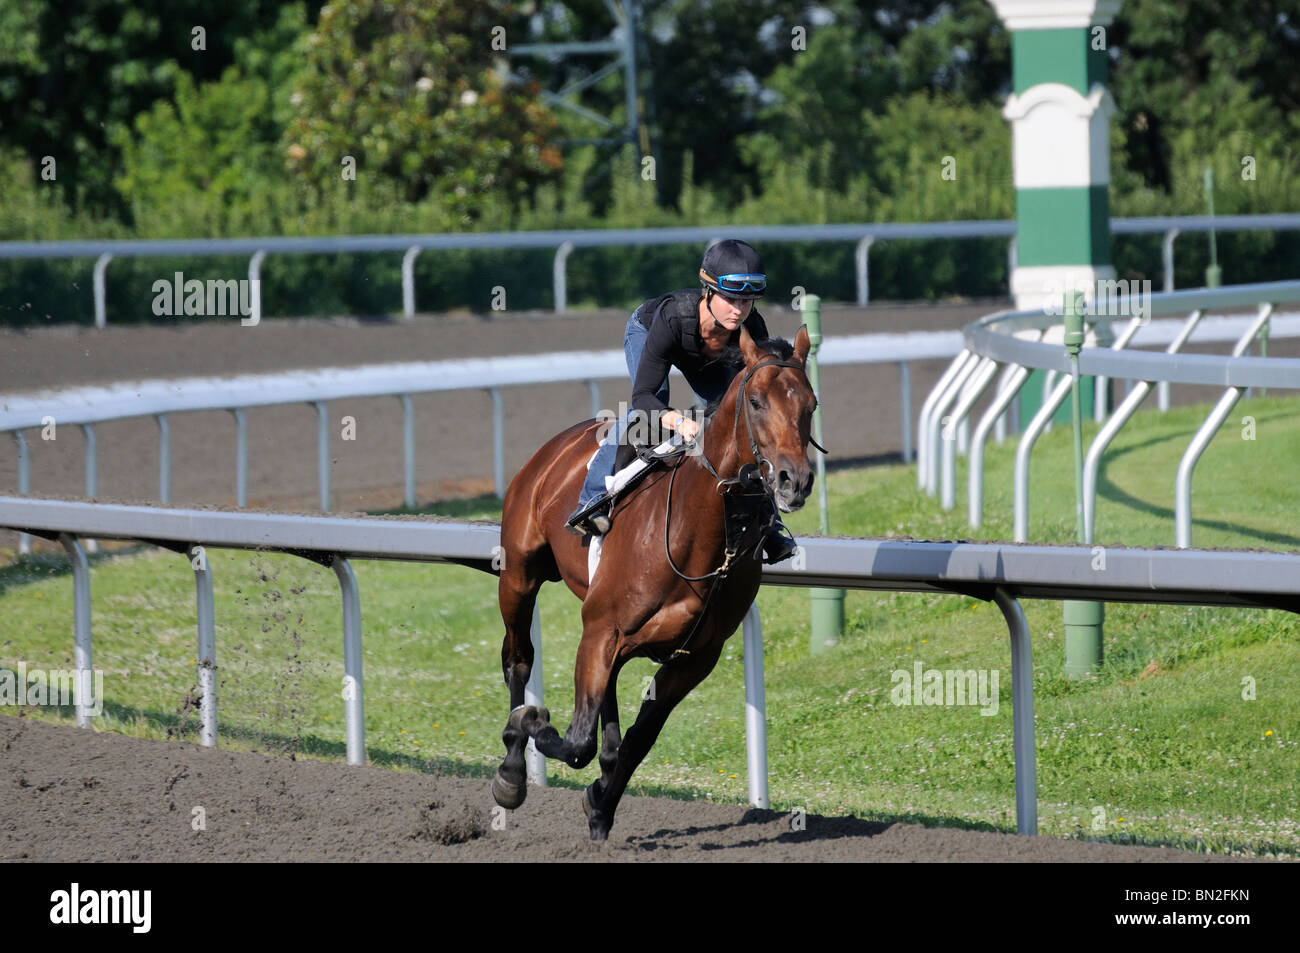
(634, 338)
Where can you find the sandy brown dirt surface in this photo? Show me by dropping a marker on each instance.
(75, 795)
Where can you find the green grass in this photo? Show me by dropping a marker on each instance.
(1159, 748)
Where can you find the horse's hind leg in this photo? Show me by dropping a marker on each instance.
(672, 683)
(517, 593)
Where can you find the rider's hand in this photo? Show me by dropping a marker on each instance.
(688, 428)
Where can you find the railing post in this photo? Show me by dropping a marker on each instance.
(241, 458)
(755, 708)
(24, 485)
(905, 402)
(1167, 257)
(1022, 713)
(979, 382)
(933, 437)
(1011, 387)
(83, 652)
(207, 657)
(1026, 449)
(164, 459)
(1184, 333)
(928, 410)
(101, 291)
(559, 279)
(408, 448)
(860, 257)
(408, 282)
(1187, 466)
(593, 391)
(498, 442)
(255, 291)
(323, 453)
(92, 474)
(353, 692)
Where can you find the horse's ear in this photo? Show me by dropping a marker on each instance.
(748, 347)
(801, 345)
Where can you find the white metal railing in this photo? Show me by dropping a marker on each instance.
(90, 405)
(565, 242)
(996, 572)
(1015, 339)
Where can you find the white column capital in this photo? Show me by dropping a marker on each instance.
(1060, 139)
(1055, 14)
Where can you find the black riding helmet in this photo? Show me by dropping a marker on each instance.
(732, 268)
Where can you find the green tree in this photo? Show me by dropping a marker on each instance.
(406, 89)
(75, 73)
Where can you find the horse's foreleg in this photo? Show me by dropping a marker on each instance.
(671, 684)
(609, 742)
(591, 680)
(518, 598)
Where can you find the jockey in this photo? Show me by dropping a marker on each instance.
(688, 329)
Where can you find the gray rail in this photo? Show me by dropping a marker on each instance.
(995, 572)
(864, 235)
(1013, 339)
(91, 405)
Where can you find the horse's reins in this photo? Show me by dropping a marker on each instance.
(743, 484)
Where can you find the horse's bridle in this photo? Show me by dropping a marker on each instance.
(749, 481)
(743, 481)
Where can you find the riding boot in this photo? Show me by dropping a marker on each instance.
(779, 544)
(598, 522)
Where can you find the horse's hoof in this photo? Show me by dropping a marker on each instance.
(529, 718)
(589, 798)
(507, 793)
(599, 829)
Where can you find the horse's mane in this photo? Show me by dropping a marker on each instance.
(733, 359)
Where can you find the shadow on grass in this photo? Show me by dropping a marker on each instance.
(39, 566)
(1107, 490)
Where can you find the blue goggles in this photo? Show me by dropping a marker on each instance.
(742, 284)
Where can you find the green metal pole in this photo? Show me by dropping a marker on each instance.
(1213, 273)
(1083, 620)
(827, 604)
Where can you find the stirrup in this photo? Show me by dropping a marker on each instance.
(590, 520)
(778, 545)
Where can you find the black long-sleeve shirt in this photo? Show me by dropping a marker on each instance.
(674, 325)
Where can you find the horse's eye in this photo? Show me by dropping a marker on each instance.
(755, 403)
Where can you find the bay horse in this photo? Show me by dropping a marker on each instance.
(670, 584)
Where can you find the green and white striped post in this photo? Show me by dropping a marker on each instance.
(1060, 124)
(827, 604)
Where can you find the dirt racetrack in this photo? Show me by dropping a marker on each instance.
(75, 795)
